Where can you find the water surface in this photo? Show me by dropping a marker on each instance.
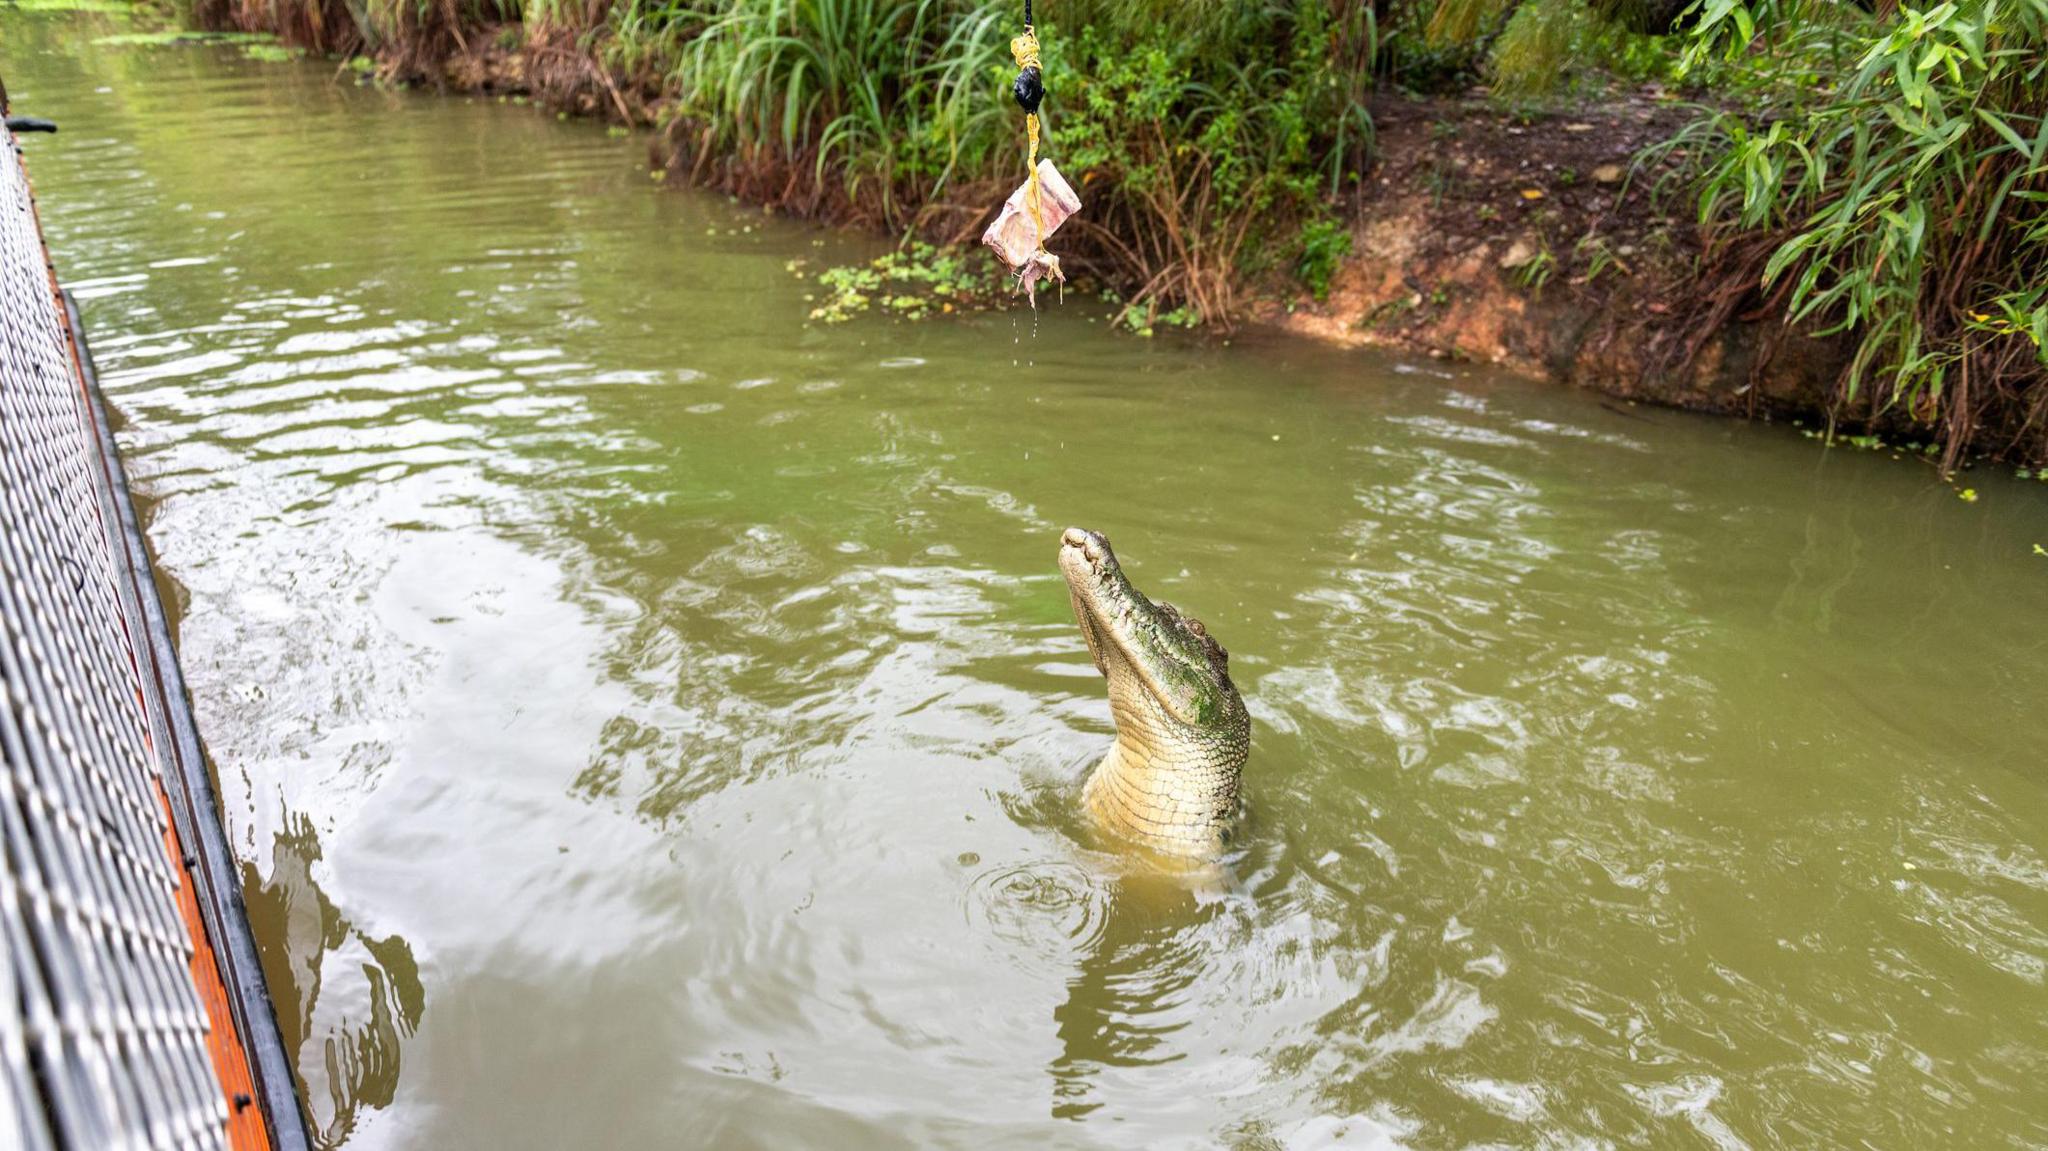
(646, 720)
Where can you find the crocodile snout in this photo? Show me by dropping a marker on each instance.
(1090, 546)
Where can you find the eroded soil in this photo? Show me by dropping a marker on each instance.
(1543, 241)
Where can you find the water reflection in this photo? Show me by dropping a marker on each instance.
(347, 1001)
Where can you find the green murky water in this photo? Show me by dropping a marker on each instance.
(647, 721)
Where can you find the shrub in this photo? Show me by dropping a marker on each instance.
(1905, 203)
(1324, 244)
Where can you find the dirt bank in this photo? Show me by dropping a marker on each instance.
(1530, 239)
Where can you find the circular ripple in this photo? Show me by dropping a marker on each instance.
(1042, 913)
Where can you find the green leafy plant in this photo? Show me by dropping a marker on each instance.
(1205, 163)
(912, 282)
(1905, 205)
(1536, 271)
(1324, 244)
(881, 102)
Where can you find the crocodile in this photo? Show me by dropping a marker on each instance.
(1170, 781)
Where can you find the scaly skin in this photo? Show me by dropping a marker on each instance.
(1170, 781)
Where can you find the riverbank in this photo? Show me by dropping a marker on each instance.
(1526, 233)
(1521, 238)
(1536, 240)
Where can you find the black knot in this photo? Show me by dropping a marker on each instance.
(1029, 90)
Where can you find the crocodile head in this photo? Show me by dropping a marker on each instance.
(1182, 732)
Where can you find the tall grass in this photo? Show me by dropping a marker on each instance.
(884, 102)
(1203, 135)
(419, 34)
(318, 25)
(1902, 200)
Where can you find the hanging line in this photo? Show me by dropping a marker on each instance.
(1029, 89)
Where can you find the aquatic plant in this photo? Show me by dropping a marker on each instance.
(912, 282)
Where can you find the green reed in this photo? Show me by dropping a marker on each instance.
(1896, 184)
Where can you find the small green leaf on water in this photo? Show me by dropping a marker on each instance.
(108, 7)
(181, 36)
(1969, 495)
(2040, 551)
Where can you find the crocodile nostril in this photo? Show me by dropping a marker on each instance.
(1074, 537)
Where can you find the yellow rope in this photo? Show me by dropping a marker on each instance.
(1024, 49)
(1031, 197)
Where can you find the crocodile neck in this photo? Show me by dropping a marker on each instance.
(1178, 801)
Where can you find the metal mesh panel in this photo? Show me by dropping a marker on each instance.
(102, 1036)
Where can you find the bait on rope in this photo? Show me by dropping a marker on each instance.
(1044, 201)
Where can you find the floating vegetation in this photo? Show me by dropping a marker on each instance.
(912, 282)
(107, 7)
(183, 36)
(1867, 443)
(272, 53)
